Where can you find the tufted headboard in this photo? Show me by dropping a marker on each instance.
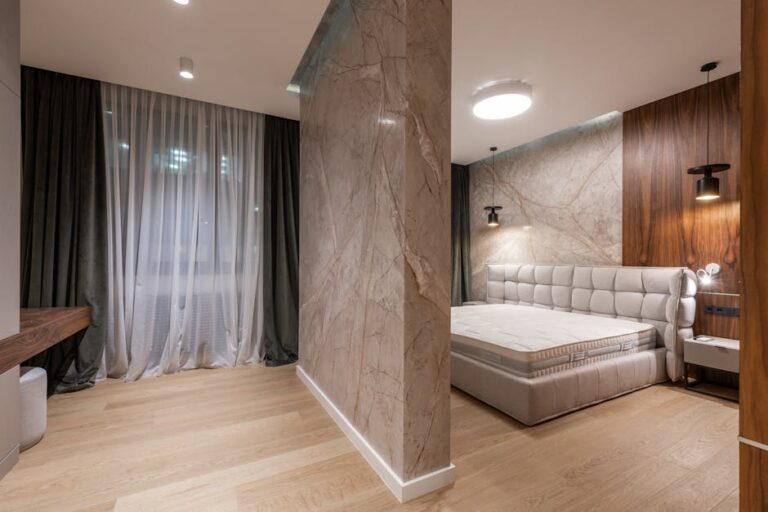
(663, 297)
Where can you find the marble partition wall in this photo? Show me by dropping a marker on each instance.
(561, 197)
(10, 223)
(374, 233)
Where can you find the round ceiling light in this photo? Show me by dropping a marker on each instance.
(502, 100)
(181, 2)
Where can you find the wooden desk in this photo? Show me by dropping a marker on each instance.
(40, 329)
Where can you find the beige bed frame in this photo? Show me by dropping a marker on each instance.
(663, 297)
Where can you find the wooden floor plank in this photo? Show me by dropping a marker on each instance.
(254, 439)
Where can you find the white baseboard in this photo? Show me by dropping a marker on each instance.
(8, 461)
(753, 444)
(403, 491)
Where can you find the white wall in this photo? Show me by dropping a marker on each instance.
(10, 193)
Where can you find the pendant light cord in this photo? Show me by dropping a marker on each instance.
(493, 178)
(708, 114)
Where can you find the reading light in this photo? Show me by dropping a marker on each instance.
(185, 68)
(502, 100)
(708, 187)
(707, 273)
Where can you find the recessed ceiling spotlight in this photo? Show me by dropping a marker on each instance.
(182, 2)
(185, 68)
(502, 100)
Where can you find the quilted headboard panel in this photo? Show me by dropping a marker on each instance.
(662, 297)
(544, 286)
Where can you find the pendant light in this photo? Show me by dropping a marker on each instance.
(708, 187)
(493, 217)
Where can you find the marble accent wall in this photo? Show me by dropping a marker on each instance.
(561, 198)
(10, 225)
(374, 315)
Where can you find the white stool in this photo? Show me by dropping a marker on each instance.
(34, 407)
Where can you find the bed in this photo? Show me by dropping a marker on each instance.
(552, 339)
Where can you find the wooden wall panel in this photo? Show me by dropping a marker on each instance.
(753, 479)
(753, 409)
(716, 325)
(663, 224)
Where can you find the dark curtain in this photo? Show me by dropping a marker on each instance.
(63, 216)
(460, 269)
(281, 241)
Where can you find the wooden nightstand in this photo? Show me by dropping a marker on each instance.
(718, 353)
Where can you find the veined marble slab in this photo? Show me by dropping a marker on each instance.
(561, 197)
(374, 315)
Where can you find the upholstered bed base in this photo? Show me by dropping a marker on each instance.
(533, 400)
(661, 297)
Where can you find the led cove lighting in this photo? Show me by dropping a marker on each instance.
(502, 100)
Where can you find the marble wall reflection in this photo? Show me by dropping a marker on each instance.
(375, 225)
(561, 199)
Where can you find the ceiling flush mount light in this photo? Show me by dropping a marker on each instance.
(707, 273)
(186, 68)
(493, 217)
(182, 2)
(708, 187)
(502, 100)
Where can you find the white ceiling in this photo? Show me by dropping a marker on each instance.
(245, 51)
(583, 58)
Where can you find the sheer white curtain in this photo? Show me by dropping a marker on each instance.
(185, 191)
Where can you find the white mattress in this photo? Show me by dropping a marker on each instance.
(530, 342)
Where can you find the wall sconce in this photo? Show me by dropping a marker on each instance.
(707, 273)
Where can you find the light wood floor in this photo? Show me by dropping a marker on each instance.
(254, 438)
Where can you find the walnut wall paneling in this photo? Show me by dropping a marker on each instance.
(663, 223)
(753, 384)
(753, 485)
(717, 325)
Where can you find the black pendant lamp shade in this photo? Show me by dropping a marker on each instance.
(493, 217)
(708, 187)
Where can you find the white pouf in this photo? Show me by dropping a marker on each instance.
(34, 407)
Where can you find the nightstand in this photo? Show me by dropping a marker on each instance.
(718, 353)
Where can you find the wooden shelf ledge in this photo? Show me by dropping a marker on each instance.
(41, 328)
